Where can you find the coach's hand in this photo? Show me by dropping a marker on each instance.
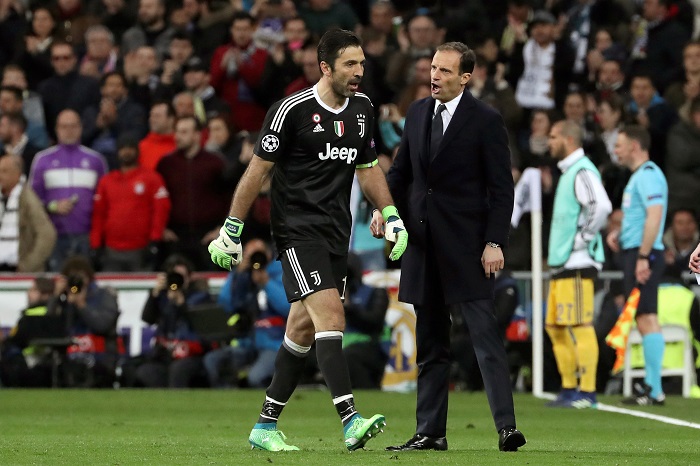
(492, 260)
(395, 232)
(226, 250)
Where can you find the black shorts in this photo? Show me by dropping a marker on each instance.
(649, 292)
(308, 269)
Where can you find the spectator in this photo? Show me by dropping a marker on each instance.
(311, 72)
(151, 29)
(184, 106)
(283, 65)
(381, 18)
(376, 57)
(32, 105)
(680, 93)
(322, 15)
(26, 235)
(175, 359)
(198, 191)
(180, 51)
(392, 117)
(14, 139)
(11, 103)
(659, 50)
(604, 49)
(101, 56)
(495, 90)
(514, 27)
(34, 54)
(65, 177)
(197, 81)
(117, 16)
(683, 161)
(255, 293)
(116, 115)
(538, 142)
(610, 115)
(593, 19)
(208, 30)
(66, 89)
(224, 141)
(680, 240)
(575, 111)
(12, 25)
(610, 80)
(22, 365)
(160, 140)
(421, 36)
(140, 71)
(129, 215)
(236, 70)
(365, 338)
(73, 21)
(91, 314)
(535, 65)
(649, 110)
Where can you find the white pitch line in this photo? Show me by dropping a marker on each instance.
(642, 414)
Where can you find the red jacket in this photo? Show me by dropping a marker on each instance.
(131, 209)
(153, 147)
(237, 90)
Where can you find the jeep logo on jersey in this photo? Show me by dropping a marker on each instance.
(339, 127)
(270, 143)
(342, 153)
(361, 123)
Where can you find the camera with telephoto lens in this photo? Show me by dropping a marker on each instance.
(174, 281)
(258, 261)
(74, 284)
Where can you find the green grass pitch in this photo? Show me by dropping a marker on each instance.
(210, 427)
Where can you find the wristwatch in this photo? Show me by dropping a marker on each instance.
(493, 245)
(643, 256)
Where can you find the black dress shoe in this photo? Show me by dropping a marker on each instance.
(510, 439)
(422, 442)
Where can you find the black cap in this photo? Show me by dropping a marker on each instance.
(127, 140)
(195, 64)
(542, 17)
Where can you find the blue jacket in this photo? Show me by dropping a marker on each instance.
(239, 294)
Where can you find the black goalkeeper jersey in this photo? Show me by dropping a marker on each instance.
(316, 150)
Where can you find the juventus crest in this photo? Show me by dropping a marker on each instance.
(361, 123)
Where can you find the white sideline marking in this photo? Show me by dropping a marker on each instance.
(631, 412)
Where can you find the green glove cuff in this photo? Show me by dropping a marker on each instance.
(390, 211)
(234, 227)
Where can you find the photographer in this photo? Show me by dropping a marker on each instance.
(21, 364)
(91, 315)
(175, 359)
(255, 297)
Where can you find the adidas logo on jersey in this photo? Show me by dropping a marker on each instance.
(318, 128)
(342, 153)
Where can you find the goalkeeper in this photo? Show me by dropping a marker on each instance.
(311, 145)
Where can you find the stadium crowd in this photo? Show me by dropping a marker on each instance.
(126, 125)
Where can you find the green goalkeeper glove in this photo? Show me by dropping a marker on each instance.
(394, 231)
(226, 250)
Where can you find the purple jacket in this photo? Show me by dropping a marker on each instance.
(64, 171)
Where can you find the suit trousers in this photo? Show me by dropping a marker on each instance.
(433, 357)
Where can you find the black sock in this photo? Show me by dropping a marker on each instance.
(331, 361)
(289, 366)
